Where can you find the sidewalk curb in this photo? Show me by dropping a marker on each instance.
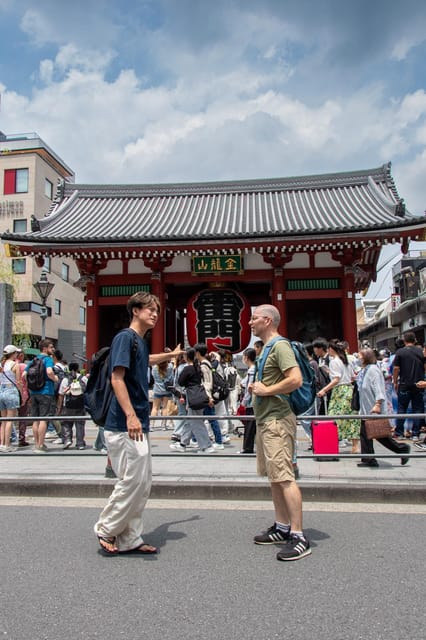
(402, 493)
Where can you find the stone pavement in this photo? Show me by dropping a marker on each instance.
(221, 475)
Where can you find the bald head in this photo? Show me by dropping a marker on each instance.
(269, 311)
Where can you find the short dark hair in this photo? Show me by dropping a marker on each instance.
(58, 354)
(201, 347)
(250, 354)
(43, 344)
(309, 348)
(141, 300)
(74, 366)
(409, 337)
(320, 343)
(190, 354)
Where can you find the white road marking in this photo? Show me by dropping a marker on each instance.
(225, 505)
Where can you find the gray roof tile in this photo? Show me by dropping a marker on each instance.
(283, 207)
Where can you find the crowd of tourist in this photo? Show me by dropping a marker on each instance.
(387, 382)
(60, 394)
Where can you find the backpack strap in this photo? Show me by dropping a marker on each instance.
(206, 364)
(260, 362)
(134, 344)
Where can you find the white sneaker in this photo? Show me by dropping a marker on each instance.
(218, 446)
(51, 435)
(208, 450)
(177, 446)
(193, 445)
(226, 440)
(58, 441)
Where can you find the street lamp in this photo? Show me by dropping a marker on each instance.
(43, 288)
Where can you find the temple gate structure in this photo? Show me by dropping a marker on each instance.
(211, 251)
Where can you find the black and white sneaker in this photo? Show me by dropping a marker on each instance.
(295, 549)
(272, 536)
(420, 445)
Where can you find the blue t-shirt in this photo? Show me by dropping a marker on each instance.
(136, 378)
(49, 385)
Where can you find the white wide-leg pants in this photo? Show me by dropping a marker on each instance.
(122, 516)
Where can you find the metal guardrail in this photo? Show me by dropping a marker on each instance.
(308, 456)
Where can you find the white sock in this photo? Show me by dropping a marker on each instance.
(285, 528)
(299, 534)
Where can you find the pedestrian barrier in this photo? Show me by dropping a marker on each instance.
(305, 455)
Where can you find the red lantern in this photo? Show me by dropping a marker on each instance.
(219, 318)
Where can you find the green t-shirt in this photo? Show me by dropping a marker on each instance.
(280, 358)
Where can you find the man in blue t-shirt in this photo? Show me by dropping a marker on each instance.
(43, 401)
(119, 528)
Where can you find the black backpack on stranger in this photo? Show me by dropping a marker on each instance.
(99, 391)
(36, 374)
(220, 389)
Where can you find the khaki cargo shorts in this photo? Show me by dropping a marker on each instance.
(275, 442)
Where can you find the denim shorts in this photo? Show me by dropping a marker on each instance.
(9, 397)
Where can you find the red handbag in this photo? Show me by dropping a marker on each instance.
(241, 411)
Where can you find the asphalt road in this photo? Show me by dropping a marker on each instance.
(365, 578)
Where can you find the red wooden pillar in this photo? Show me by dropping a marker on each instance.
(278, 298)
(158, 334)
(157, 264)
(350, 332)
(92, 320)
(89, 269)
(278, 287)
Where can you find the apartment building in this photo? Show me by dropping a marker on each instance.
(404, 311)
(29, 174)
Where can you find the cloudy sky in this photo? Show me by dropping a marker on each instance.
(187, 90)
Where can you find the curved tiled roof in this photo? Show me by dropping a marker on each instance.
(273, 208)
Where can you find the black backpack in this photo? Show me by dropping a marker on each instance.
(36, 374)
(99, 391)
(220, 390)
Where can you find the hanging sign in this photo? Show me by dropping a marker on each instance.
(395, 301)
(217, 265)
(219, 318)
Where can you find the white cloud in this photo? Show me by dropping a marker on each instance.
(413, 106)
(410, 178)
(121, 131)
(243, 96)
(81, 21)
(37, 27)
(408, 41)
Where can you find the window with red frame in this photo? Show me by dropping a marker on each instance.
(15, 181)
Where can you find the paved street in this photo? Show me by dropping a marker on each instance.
(365, 578)
(223, 474)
